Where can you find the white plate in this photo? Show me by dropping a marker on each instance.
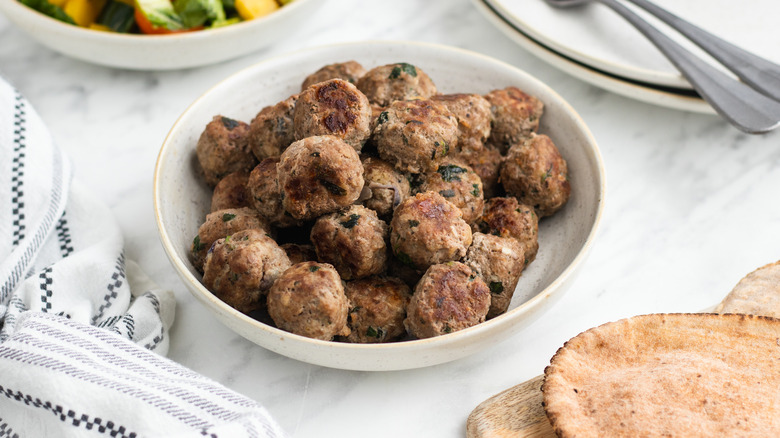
(682, 100)
(159, 52)
(597, 36)
(181, 199)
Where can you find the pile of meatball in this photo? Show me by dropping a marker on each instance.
(370, 208)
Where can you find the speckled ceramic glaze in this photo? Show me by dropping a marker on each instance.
(182, 199)
(158, 52)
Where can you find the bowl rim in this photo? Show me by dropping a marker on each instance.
(405, 346)
(152, 40)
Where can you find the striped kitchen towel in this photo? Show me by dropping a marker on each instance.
(83, 332)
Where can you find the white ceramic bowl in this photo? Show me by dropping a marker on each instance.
(182, 199)
(158, 52)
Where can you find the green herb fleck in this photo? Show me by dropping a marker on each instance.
(450, 172)
(227, 239)
(449, 193)
(413, 223)
(314, 268)
(547, 174)
(197, 245)
(228, 217)
(475, 191)
(333, 188)
(382, 118)
(447, 328)
(355, 309)
(372, 332)
(446, 149)
(496, 287)
(409, 69)
(351, 222)
(404, 258)
(229, 123)
(234, 277)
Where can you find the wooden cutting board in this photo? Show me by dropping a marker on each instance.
(518, 412)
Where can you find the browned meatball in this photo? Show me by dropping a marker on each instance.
(458, 184)
(271, 131)
(231, 192)
(415, 135)
(223, 148)
(486, 163)
(241, 267)
(474, 117)
(349, 71)
(266, 196)
(353, 241)
(299, 253)
(537, 175)
(449, 297)
(499, 261)
(388, 186)
(515, 116)
(333, 107)
(319, 175)
(506, 217)
(308, 299)
(388, 83)
(427, 229)
(377, 309)
(222, 223)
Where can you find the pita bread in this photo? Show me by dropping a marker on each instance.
(756, 294)
(671, 375)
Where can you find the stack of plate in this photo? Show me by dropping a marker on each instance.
(596, 45)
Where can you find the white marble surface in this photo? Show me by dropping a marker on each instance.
(692, 206)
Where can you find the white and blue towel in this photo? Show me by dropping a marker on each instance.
(83, 332)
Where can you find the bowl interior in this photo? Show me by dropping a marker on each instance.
(182, 200)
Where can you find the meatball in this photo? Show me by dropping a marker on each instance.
(349, 71)
(388, 186)
(222, 223)
(448, 298)
(319, 175)
(266, 196)
(515, 116)
(308, 299)
(486, 163)
(427, 229)
(223, 148)
(537, 175)
(353, 241)
(378, 309)
(271, 131)
(498, 261)
(299, 253)
(333, 107)
(415, 135)
(243, 266)
(389, 83)
(505, 217)
(458, 184)
(474, 117)
(231, 192)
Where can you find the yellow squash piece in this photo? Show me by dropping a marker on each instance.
(249, 9)
(84, 12)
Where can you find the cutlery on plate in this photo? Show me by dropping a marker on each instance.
(761, 74)
(747, 109)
